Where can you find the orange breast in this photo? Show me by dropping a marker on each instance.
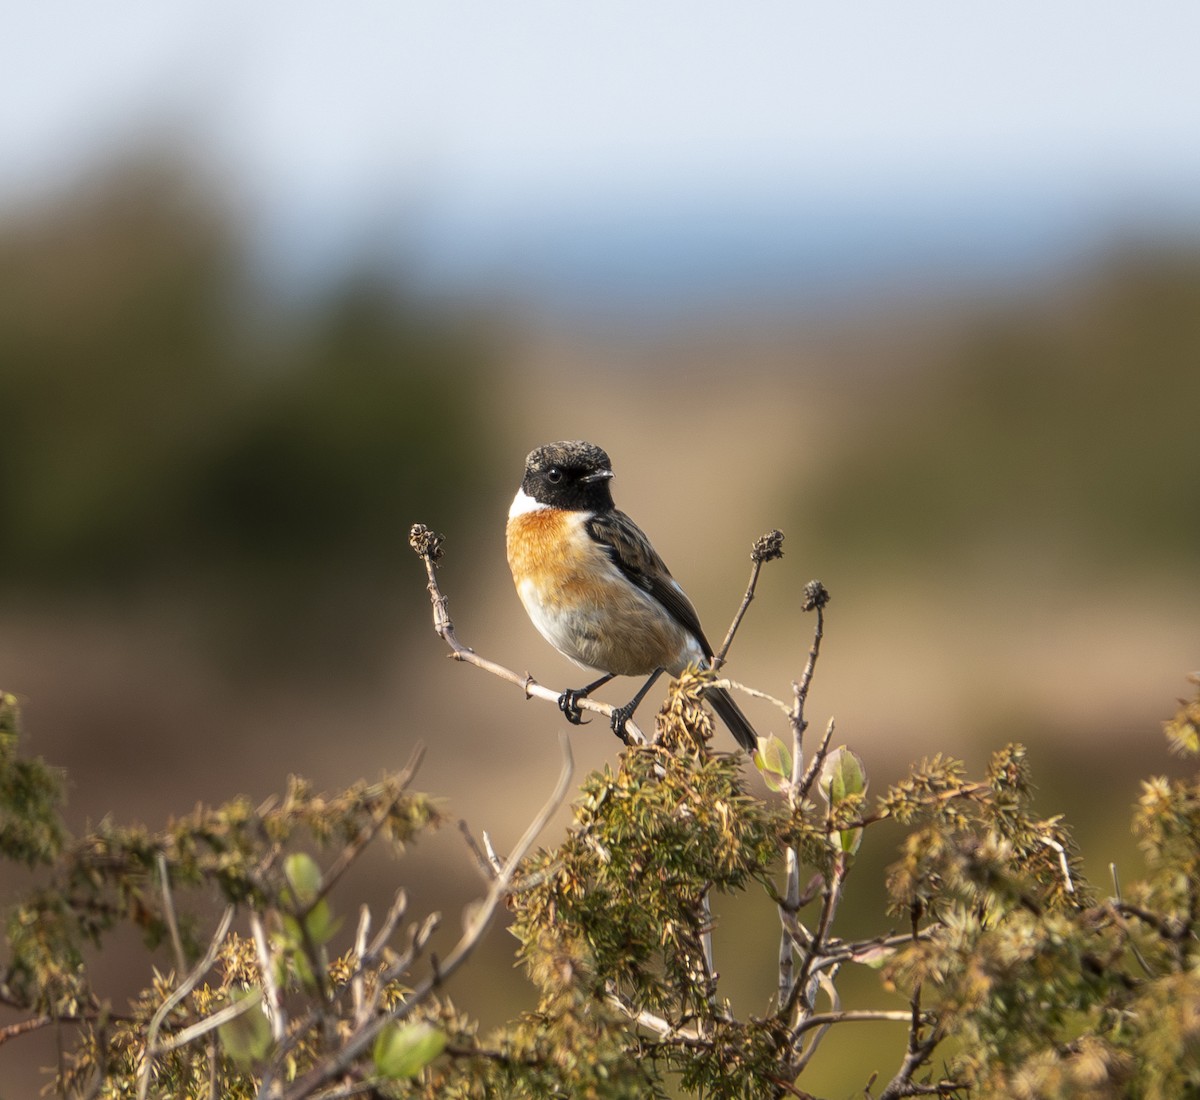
(584, 605)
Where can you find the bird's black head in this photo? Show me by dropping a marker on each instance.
(573, 475)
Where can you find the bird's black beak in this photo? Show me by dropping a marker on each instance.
(599, 475)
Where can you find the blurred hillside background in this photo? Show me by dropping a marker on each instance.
(919, 286)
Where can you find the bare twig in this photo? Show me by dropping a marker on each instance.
(185, 987)
(1063, 862)
(266, 967)
(394, 915)
(814, 767)
(36, 1023)
(253, 1000)
(428, 546)
(754, 693)
(358, 982)
(164, 875)
(902, 1084)
(24, 1027)
(663, 1028)
(791, 925)
(767, 548)
(496, 862)
(821, 1019)
(835, 1001)
(708, 974)
(1137, 954)
(831, 896)
(816, 596)
(483, 861)
(919, 1048)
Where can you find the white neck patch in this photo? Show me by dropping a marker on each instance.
(523, 504)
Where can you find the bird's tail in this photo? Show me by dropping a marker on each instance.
(731, 714)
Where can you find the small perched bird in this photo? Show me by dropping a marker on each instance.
(596, 588)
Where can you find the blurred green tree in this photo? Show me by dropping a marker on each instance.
(1065, 423)
(166, 431)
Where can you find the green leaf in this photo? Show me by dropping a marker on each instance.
(321, 924)
(304, 877)
(403, 1050)
(842, 774)
(774, 761)
(246, 1038)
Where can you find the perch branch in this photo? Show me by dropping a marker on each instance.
(428, 546)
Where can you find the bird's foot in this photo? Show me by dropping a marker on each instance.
(568, 703)
(620, 719)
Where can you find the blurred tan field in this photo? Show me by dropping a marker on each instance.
(205, 584)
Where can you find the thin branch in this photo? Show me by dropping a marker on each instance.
(806, 1056)
(486, 867)
(391, 921)
(816, 596)
(765, 549)
(24, 1027)
(754, 693)
(266, 967)
(185, 987)
(814, 767)
(1169, 930)
(1141, 959)
(211, 1023)
(839, 952)
(902, 1084)
(708, 974)
(358, 982)
(850, 1015)
(164, 875)
(662, 1027)
(1063, 862)
(788, 907)
(919, 1049)
(496, 862)
(36, 1023)
(832, 896)
(428, 546)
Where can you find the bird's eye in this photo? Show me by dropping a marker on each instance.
(554, 475)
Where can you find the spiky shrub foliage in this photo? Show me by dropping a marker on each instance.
(1018, 980)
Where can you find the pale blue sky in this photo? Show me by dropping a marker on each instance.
(478, 111)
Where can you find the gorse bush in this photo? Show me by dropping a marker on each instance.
(1011, 975)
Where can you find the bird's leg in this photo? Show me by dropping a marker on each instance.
(568, 701)
(622, 714)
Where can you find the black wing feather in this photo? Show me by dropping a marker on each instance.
(630, 550)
